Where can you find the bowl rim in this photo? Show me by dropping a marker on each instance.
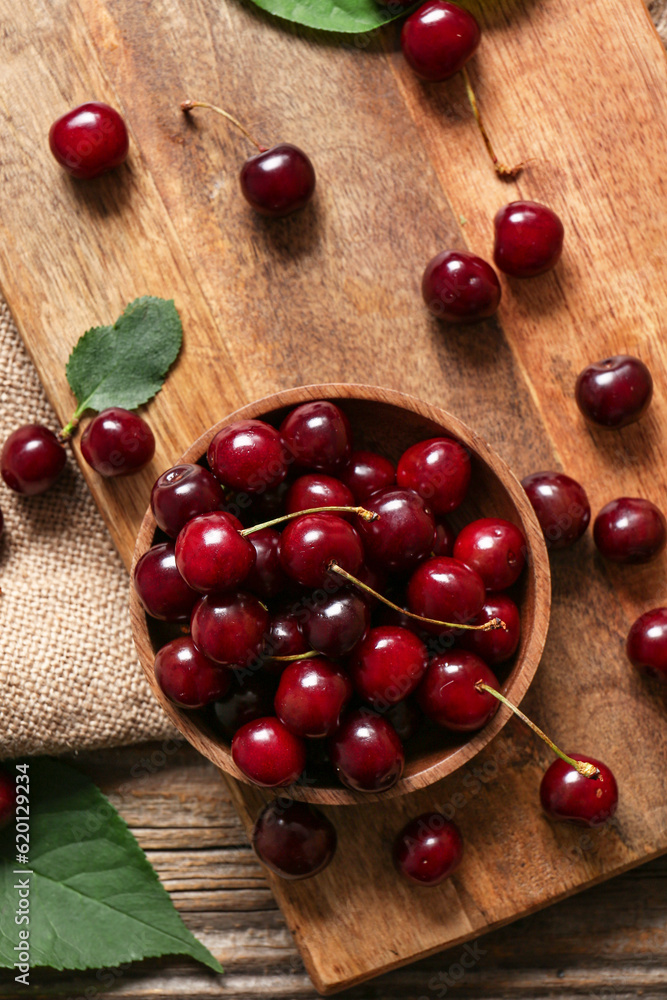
(515, 685)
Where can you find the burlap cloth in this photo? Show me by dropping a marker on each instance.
(69, 677)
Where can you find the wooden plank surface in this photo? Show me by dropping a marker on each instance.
(332, 294)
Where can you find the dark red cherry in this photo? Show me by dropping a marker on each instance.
(32, 459)
(437, 469)
(460, 288)
(7, 797)
(267, 578)
(278, 181)
(248, 698)
(211, 554)
(447, 590)
(268, 753)
(388, 665)
(403, 533)
(367, 753)
(248, 456)
(445, 536)
(647, 643)
(230, 628)
(448, 694)
(285, 636)
(161, 589)
(614, 392)
(293, 839)
(318, 436)
(528, 239)
(310, 543)
(630, 530)
(317, 490)
(495, 549)
(438, 39)
(567, 795)
(561, 506)
(117, 442)
(367, 472)
(336, 624)
(89, 140)
(311, 697)
(182, 493)
(406, 719)
(428, 849)
(186, 677)
(497, 645)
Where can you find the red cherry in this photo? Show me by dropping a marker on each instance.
(460, 288)
(367, 753)
(428, 849)
(567, 795)
(186, 677)
(439, 39)
(248, 456)
(182, 493)
(561, 506)
(437, 469)
(294, 840)
(310, 543)
(614, 392)
(32, 459)
(311, 697)
(211, 555)
(448, 694)
(388, 665)
(117, 443)
(278, 181)
(447, 590)
(285, 638)
(630, 530)
(230, 629)
(528, 240)
(89, 140)
(267, 578)
(366, 473)
(495, 549)
(268, 753)
(317, 490)
(497, 645)
(7, 797)
(403, 533)
(163, 592)
(318, 436)
(247, 699)
(647, 643)
(336, 624)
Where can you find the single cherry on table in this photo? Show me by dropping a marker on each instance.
(32, 458)
(459, 287)
(293, 839)
(528, 239)
(117, 442)
(561, 506)
(89, 140)
(630, 530)
(571, 797)
(646, 644)
(428, 849)
(614, 392)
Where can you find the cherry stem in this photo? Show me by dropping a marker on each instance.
(189, 105)
(367, 515)
(310, 655)
(582, 766)
(66, 433)
(508, 173)
(490, 626)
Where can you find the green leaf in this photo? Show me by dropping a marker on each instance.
(95, 901)
(126, 364)
(348, 16)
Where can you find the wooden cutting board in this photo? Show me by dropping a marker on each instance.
(579, 90)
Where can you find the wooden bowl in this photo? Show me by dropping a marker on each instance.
(388, 422)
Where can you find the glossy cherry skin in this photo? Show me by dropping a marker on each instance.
(647, 643)
(367, 753)
(7, 797)
(285, 636)
(317, 490)
(211, 554)
(495, 549)
(163, 592)
(89, 140)
(403, 533)
(428, 849)
(32, 459)
(182, 493)
(438, 39)
(367, 472)
(497, 645)
(448, 694)
(388, 665)
(117, 443)
(248, 456)
(443, 543)
(528, 239)
(336, 624)
(268, 753)
(614, 392)
(186, 677)
(230, 629)
(439, 470)
(311, 697)
(630, 530)
(567, 795)
(447, 590)
(278, 181)
(561, 506)
(266, 579)
(318, 436)
(310, 543)
(459, 287)
(293, 839)
(247, 699)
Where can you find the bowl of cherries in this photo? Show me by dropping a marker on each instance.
(322, 583)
